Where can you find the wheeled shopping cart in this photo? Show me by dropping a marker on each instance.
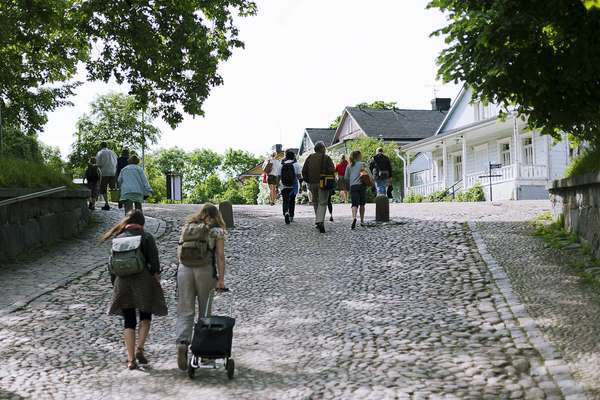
(211, 343)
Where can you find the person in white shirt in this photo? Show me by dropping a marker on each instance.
(272, 167)
(290, 174)
(106, 160)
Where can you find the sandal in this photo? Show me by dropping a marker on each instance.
(132, 365)
(139, 354)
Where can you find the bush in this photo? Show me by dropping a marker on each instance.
(250, 191)
(439, 196)
(19, 173)
(587, 161)
(475, 193)
(413, 198)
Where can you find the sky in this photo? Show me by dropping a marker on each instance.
(304, 61)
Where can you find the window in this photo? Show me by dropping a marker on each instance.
(505, 153)
(457, 168)
(528, 151)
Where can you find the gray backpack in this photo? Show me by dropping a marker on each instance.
(127, 257)
(194, 248)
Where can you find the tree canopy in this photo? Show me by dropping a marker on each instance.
(236, 162)
(378, 104)
(541, 57)
(167, 52)
(115, 119)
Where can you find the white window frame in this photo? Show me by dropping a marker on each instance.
(502, 142)
(456, 176)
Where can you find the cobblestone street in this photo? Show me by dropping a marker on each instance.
(402, 310)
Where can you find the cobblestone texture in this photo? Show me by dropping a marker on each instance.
(566, 310)
(405, 310)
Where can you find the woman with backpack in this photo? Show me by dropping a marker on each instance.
(291, 173)
(359, 178)
(201, 270)
(135, 271)
(133, 185)
(92, 179)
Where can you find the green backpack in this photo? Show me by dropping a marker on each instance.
(194, 248)
(127, 257)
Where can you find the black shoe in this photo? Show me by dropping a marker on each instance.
(353, 224)
(287, 219)
(321, 227)
(331, 218)
(106, 207)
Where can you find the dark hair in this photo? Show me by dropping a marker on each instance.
(103, 145)
(290, 155)
(320, 147)
(125, 152)
(134, 217)
(134, 159)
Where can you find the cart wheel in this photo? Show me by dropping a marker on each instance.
(191, 371)
(230, 366)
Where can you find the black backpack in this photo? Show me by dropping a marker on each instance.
(92, 174)
(288, 174)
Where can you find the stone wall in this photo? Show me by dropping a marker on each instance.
(577, 201)
(40, 221)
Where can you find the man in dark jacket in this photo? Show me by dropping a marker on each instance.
(316, 164)
(122, 162)
(381, 167)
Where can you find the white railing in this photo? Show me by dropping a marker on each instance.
(534, 172)
(427, 188)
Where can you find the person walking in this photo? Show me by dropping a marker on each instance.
(291, 173)
(92, 178)
(107, 162)
(134, 185)
(381, 168)
(272, 167)
(359, 178)
(342, 185)
(201, 269)
(122, 162)
(140, 292)
(319, 172)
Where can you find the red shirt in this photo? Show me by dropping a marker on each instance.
(341, 168)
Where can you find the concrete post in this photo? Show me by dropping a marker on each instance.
(382, 208)
(226, 210)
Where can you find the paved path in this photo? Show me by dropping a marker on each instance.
(396, 311)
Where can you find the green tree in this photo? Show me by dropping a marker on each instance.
(116, 119)
(167, 52)
(378, 104)
(156, 178)
(207, 190)
(199, 165)
(541, 57)
(51, 157)
(249, 191)
(236, 162)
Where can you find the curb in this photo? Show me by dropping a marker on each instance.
(557, 368)
(160, 230)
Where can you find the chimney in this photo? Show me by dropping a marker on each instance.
(440, 104)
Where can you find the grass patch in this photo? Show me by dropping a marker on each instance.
(18, 173)
(586, 267)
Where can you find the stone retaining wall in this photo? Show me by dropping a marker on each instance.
(577, 201)
(40, 221)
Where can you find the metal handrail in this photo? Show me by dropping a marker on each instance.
(30, 196)
(453, 189)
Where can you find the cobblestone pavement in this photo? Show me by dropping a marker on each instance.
(42, 269)
(566, 310)
(405, 310)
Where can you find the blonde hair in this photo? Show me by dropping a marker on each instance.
(209, 211)
(355, 156)
(134, 217)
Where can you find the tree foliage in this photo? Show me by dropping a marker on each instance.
(236, 162)
(541, 57)
(167, 52)
(200, 164)
(115, 119)
(377, 104)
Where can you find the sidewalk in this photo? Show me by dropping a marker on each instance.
(43, 270)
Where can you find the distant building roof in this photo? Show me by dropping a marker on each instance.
(325, 135)
(397, 124)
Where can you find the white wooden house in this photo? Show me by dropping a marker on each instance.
(469, 139)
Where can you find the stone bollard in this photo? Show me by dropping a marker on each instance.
(382, 208)
(226, 210)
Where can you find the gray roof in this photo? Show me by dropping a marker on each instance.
(396, 124)
(324, 135)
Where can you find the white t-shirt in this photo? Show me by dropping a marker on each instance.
(106, 160)
(276, 170)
